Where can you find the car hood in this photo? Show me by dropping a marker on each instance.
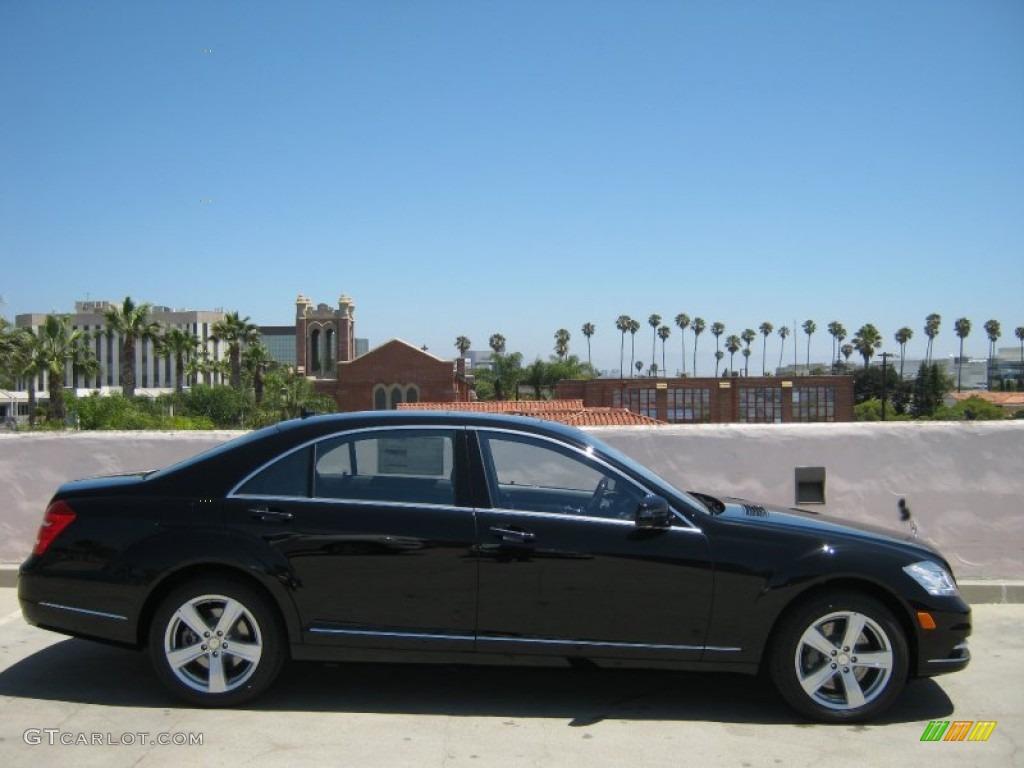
(754, 514)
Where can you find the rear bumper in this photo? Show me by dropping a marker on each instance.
(63, 606)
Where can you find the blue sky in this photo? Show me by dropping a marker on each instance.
(476, 167)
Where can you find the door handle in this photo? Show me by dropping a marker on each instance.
(268, 515)
(513, 535)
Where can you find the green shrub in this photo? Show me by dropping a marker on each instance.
(971, 409)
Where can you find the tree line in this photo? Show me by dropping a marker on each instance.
(865, 342)
(262, 388)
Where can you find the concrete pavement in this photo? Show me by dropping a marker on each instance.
(53, 688)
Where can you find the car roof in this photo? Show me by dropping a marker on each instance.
(321, 424)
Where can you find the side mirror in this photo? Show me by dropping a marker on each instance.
(653, 512)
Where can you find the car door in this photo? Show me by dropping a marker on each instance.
(373, 531)
(565, 570)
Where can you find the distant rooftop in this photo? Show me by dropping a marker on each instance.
(571, 412)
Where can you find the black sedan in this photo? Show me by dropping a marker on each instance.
(457, 537)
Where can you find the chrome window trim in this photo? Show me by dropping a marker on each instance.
(73, 609)
(583, 454)
(234, 492)
(581, 518)
(358, 502)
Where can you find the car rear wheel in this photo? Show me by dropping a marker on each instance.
(216, 642)
(840, 658)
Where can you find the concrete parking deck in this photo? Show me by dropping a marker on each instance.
(55, 689)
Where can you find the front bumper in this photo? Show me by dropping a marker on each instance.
(944, 649)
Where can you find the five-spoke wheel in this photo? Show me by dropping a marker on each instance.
(840, 658)
(216, 642)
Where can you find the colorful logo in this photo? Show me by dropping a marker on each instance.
(958, 730)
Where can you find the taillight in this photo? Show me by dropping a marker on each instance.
(58, 517)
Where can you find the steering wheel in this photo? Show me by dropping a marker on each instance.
(593, 506)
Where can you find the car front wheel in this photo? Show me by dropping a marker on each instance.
(840, 658)
(216, 642)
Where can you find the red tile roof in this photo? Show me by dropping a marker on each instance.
(571, 412)
(1005, 399)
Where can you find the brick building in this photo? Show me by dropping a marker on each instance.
(394, 372)
(753, 399)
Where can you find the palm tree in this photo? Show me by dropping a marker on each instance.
(1019, 333)
(698, 328)
(536, 376)
(867, 340)
(654, 321)
(783, 333)
(622, 324)
(588, 331)
(717, 329)
(236, 332)
(257, 360)
(962, 327)
(809, 328)
(55, 347)
(766, 329)
(562, 337)
(847, 350)
(748, 337)
(196, 365)
(497, 343)
(732, 343)
(840, 334)
(683, 321)
(833, 330)
(18, 357)
(131, 322)
(719, 354)
(634, 326)
(507, 371)
(15, 346)
(931, 330)
(902, 336)
(993, 329)
(663, 333)
(462, 343)
(182, 345)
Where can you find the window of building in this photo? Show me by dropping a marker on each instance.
(380, 398)
(314, 351)
(329, 349)
(643, 401)
(145, 365)
(814, 403)
(689, 406)
(396, 396)
(412, 394)
(760, 405)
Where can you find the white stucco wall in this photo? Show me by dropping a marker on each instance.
(964, 482)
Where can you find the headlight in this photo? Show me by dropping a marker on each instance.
(935, 579)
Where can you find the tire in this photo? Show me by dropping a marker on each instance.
(216, 642)
(839, 658)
